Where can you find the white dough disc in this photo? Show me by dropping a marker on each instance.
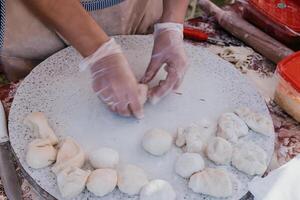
(104, 158)
(157, 142)
(158, 190)
(189, 163)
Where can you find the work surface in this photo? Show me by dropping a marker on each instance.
(258, 70)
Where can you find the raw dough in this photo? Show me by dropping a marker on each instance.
(219, 150)
(214, 182)
(157, 190)
(71, 181)
(189, 163)
(37, 121)
(104, 158)
(180, 139)
(231, 127)
(256, 121)
(40, 153)
(249, 158)
(102, 181)
(69, 154)
(197, 137)
(157, 142)
(131, 179)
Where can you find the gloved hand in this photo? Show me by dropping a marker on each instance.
(168, 49)
(113, 80)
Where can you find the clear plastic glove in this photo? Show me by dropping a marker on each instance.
(114, 82)
(168, 49)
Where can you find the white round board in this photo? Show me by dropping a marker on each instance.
(57, 88)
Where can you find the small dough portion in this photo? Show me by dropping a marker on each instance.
(158, 190)
(210, 181)
(104, 158)
(157, 142)
(71, 181)
(219, 151)
(180, 139)
(231, 127)
(189, 163)
(38, 123)
(249, 158)
(40, 153)
(102, 181)
(256, 121)
(131, 179)
(69, 154)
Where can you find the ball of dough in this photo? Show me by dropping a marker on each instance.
(102, 181)
(69, 154)
(71, 181)
(157, 142)
(180, 138)
(189, 163)
(131, 179)
(219, 150)
(210, 181)
(157, 190)
(104, 158)
(40, 153)
(231, 127)
(249, 158)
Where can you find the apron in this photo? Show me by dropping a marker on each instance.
(25, 41)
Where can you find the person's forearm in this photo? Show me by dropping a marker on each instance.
(174, 10)
(69, 19)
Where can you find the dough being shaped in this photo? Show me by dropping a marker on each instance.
(69, 154)
(249, 158)
(219, 151)
(189, 163)
(131, 179)
(158, 190)
(180, 139)
(210, 181)
(38, 123)
(102, 181)
(197, 137)
(231, 127)
(40, 153)
(256, 121)
(104, 158)
(157, 142)
(71, 181)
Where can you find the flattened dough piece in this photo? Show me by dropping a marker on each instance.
(180, 138)
(189, 163)
(210, 181)
(219, 151)
(231, 127)
(131, 179)
(158, 190)
(157, 142)
(256, 121)
(249, 158)
(104, 158)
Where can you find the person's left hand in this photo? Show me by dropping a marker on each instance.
(168, 49)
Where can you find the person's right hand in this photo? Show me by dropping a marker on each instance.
(114, 82)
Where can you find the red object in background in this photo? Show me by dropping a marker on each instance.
(278, 18)
(289, 69)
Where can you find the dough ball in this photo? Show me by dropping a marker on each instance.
(40, 153)
(38, 123)
(219, 151)
(102, 181)
(231, 127)
(256, 121)
(180, 139)
(157, 190)
(104, 158)
(70, 154)
(189, 163)
(157, 142)
(197, 136)
(71, 181)
(210, 181)
(249, 158)
(131, 179)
